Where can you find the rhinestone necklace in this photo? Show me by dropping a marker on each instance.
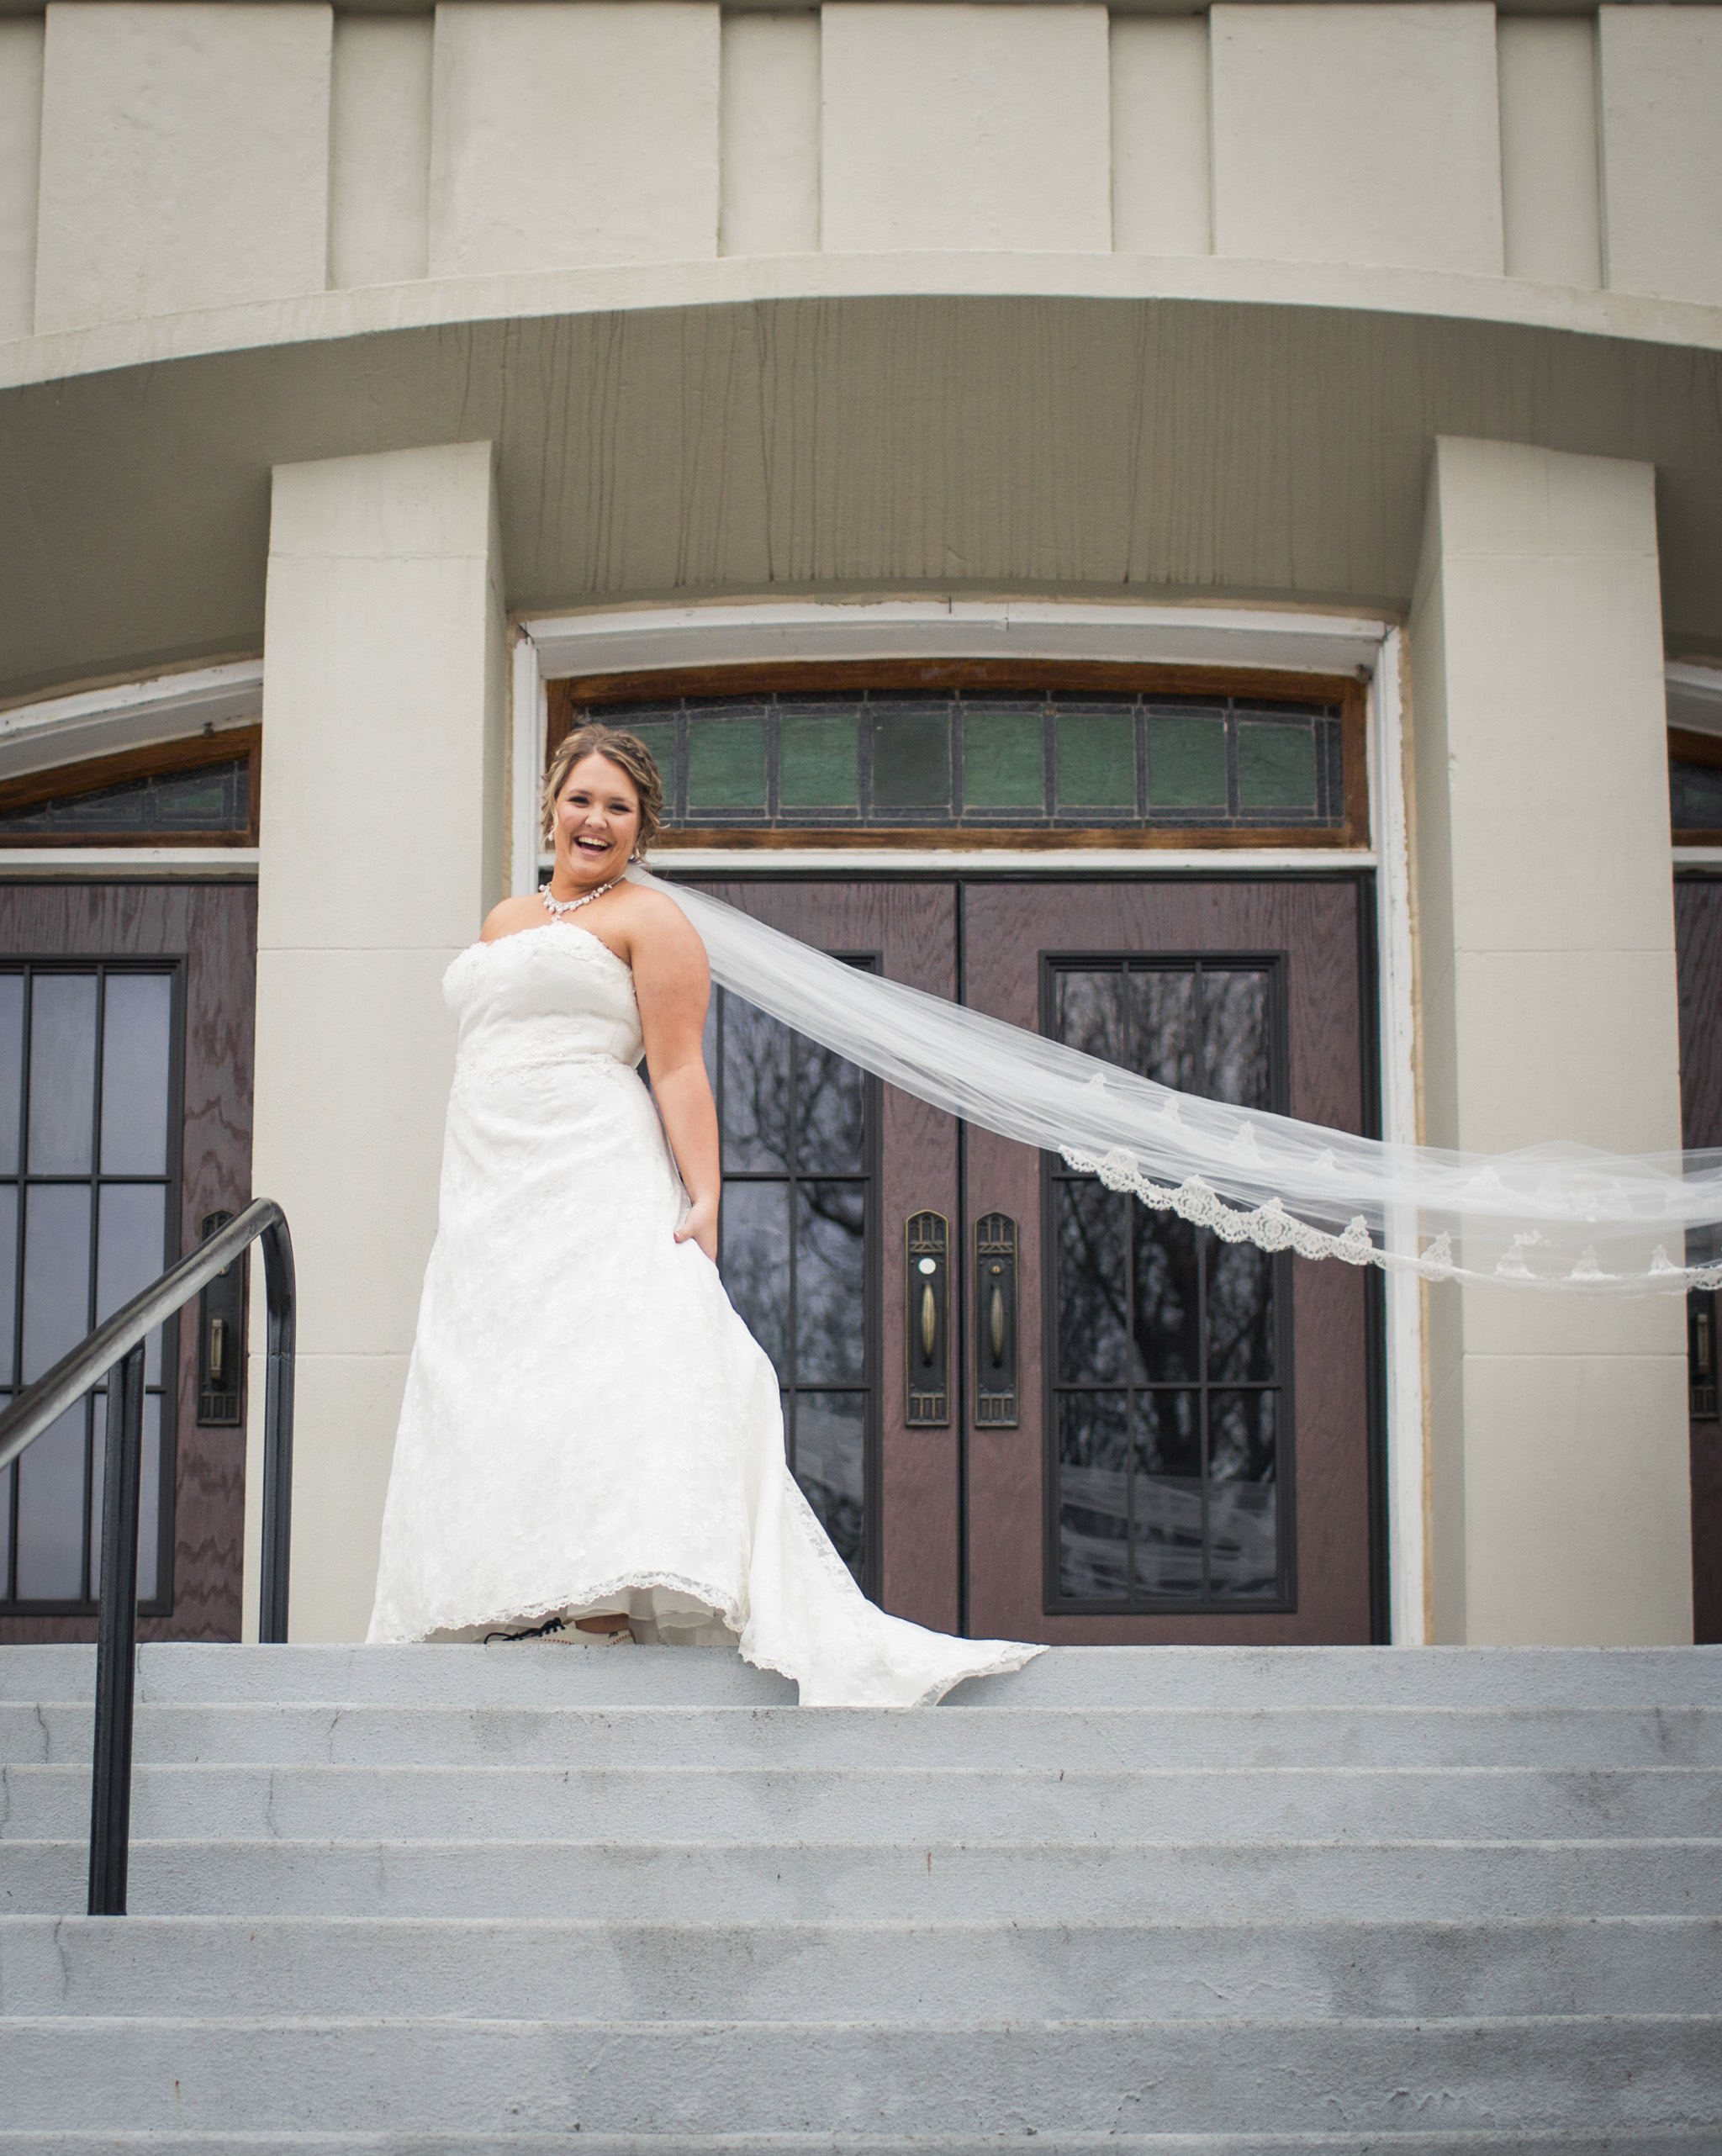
(560, 908)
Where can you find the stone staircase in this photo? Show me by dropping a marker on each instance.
(542, 1896)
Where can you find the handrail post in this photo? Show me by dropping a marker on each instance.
(117, 1640)
(278, 1434)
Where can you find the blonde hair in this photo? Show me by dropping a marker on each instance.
(629, 754)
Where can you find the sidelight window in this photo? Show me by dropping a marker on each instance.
(88, 1216)
(799, 1134)
(1170, 1439)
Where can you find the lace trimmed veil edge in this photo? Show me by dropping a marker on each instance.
(1554, 1216)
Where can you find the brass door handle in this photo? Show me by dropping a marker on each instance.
(927, 1401)
(995, 1321)
(220, 1334)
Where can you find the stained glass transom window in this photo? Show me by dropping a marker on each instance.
(216, 798)
(967, 758)
(1695, 796)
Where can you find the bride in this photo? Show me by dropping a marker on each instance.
(590, 1437)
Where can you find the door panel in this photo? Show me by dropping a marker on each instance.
(1010, 929)
(208, 933)
(908, 930)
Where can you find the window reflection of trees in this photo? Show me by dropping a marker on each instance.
(1167, 1491)
(831, 1107)
(1093, 1315)
(756, 1088)
(1234, 1038)
(830, 1283)
(1240, 1311)
(793, 1251)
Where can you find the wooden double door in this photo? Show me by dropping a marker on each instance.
(1024, 1405)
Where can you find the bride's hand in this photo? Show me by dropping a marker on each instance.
(701, 1227)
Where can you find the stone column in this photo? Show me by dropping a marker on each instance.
(384, 685)
(1558, 1437)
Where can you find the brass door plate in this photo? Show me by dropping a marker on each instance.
(927, 1329)
(995, 1321)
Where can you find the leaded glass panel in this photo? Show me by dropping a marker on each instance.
(796, 1251)
(1695, 796)
(1171, 1363)
(215, 799)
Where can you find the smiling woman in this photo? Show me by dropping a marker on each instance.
(591, 1438)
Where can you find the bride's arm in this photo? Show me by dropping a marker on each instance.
(673, 984)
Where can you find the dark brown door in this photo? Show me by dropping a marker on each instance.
(1698, 929)
(1191, 1457)
(125, 1120)
(1187, 1454)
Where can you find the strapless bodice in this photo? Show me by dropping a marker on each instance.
(549, 994)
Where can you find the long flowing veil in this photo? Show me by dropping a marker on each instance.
(1554, 1216)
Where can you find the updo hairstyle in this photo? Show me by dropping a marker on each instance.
(629, 753)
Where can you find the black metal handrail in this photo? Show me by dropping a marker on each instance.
(117, 1345)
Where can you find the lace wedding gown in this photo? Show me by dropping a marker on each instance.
(587, 1424)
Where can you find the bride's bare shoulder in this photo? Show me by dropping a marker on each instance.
(656, 926)
(509, 918)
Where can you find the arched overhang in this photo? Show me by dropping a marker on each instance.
(909, 423)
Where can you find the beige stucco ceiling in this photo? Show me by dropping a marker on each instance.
(1088, 445)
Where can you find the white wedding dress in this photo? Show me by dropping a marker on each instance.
(587, 1424)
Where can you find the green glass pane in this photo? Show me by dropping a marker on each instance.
(911, 759)
(1003, 763)
(1698, 797)
(1276, 767)
(1096, 759)
(726, 764)
(1187, 763)
(212, 800)
(659, 735)
(818, 768)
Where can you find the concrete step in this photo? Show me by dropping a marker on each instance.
(1086, 1738)
(794, 1804)
(548, 1673)
(1607, 2141)
(544, 1896)
(176, 2076)
(770, 1882)
(484, 1969)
